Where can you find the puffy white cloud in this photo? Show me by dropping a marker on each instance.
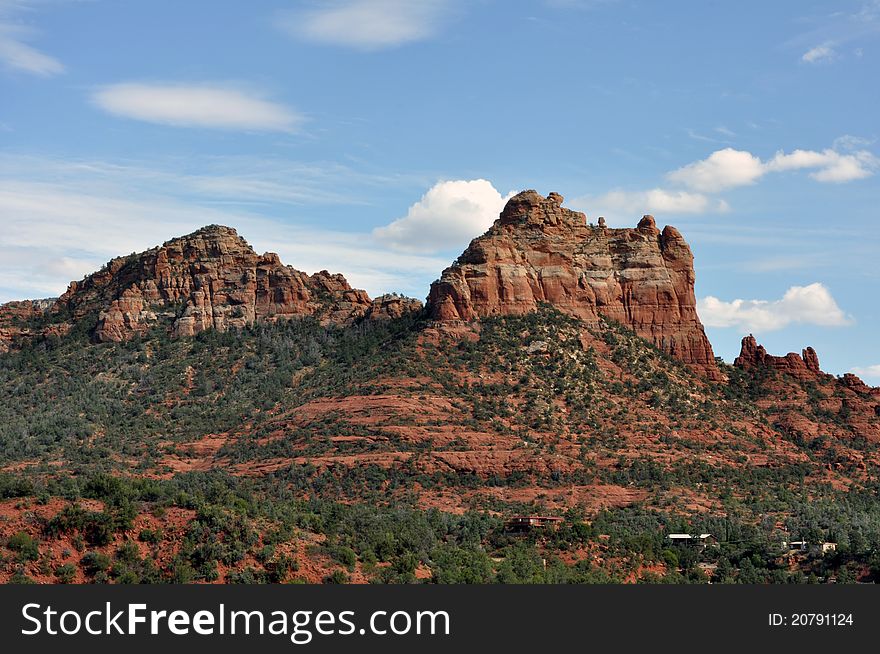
(832, 166)
(819, 53)
(730, 168)
(449, 215)
(367, 24)
(721, 170)
(200, 105)
(812, 304)
(870, 373)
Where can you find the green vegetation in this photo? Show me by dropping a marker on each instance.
(27, 548)
(115, 414)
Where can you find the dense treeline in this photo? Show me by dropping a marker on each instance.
(236, 518)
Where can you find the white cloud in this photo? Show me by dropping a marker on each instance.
(812, 304)
(241, 180)
(868, 372)
(368, 24)
(832, 166)
(721, 170)
(80, 215)
(657, 200)
(850, 142)
(819, 53)
(448, 216)
(15, 53)
(730, 168)
(200, 105)
(727, 169)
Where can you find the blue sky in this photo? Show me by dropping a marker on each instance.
(376, 137)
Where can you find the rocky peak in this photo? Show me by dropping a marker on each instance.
(210, 279)
(539, 251)
(648, 225)
(531, 209)
(855, 383)
(804, 366)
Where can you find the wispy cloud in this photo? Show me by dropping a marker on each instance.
(725, 134)
(367, 24)
(65, 222)
(449, 215)
(812, 304)
(15, 53)
(240, 181)
(197, 105)
(819, 53)
(835, 32)
(622, 204)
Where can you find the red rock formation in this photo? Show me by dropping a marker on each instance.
(211, 279)
(855, 383)
(537, 251)
(391, 305)
(16, 317)
(803, 367)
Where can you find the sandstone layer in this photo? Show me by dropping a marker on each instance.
(540, 252)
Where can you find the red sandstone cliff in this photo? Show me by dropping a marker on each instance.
(538, 251)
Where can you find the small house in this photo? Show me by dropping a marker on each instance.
(523, 523)
(692, 540)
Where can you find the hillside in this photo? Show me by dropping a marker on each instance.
(201, 412)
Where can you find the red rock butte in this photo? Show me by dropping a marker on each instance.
(538, 251)
(212, 279)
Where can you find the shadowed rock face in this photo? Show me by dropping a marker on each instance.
(538, 251)
(212, 279)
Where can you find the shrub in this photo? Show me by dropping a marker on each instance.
(152, 536)
(19, 577)
(94, 562)
(66, 573)
(27, 548)
(337, 577)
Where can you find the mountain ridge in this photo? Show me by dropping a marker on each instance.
(537, 251)
(269, 425)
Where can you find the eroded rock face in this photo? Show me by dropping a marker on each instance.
(390, 306)
(538, 251)
(211, 279)
(15, 317)
(803, 367)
